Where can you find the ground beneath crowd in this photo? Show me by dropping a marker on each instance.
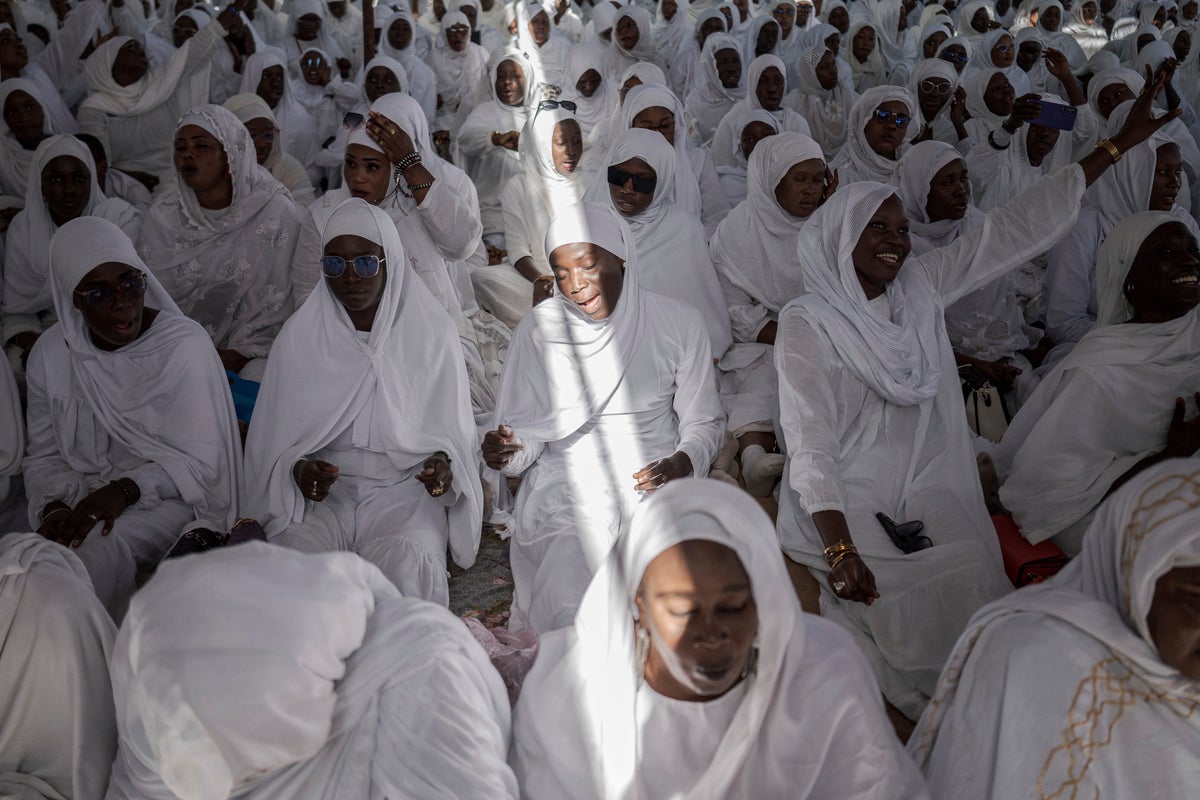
(485, 590)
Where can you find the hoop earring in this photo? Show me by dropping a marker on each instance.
(643, 648)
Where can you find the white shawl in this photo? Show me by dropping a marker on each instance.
(283, 167)
(1012, 173)
(856, 161)
(412, 333)
(422, 81)
(458, 74)
(709, 100)
(14, 158)
(549, 60)
(147, 93)
(595, 111)
(296, 124)
(788, 119)
(649, 95)
(826, 111)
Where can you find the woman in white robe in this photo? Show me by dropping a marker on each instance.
(22, 101)
(1002, 163)
(683, 63)
(670, 241)
(642, 48)
(1088, 681)
(266, 74)
(669, 33)
(489, 137)
(710, 99)
(134, 120)
(315, 34)
(251, 109)
(458, 72)
(343, 688)
(944, 120)
(1085, 27)
(873, 147)
(28, 304)
(325, 98)
(821, 98)
(238, 270)
(998, 50)
(362, 460)
(595, 412)
(595, 720)
(131, 428)
(751, 128)
(641, 73)
(594, 110)
(57, 728)
(422, 80)
(548, 57)
(1049, 32)
(990, 97)
(867, 68)
(872, 416)
(766, 88)
(1115, 403)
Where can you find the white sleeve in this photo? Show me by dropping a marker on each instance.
(47, 475)
(450, 212)
(697, 406)
(1070, 283)
(714, 205)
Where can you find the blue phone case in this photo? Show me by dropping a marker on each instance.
(1055, 115)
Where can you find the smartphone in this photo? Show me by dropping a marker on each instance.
(1055, 115)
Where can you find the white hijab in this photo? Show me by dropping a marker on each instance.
(163, 396)
(650, 95)
(856, 156)
(756, 244)
(872, 72)
(458, 74)
(546, 189)
(917, 168)
(670, 33)
(1015, 174)
(15, 159)
(282, 166)
(562, 367)
(825, 110)
(898, 359)
(411, 328)
(709, 100)
(645, 49)
(296, 123)
(145, 94)
(591, 112)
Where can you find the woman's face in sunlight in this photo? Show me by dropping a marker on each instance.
(696, 604)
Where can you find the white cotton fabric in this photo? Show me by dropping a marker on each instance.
(27, 300)
(826, 111)
(645, 73)
(931, 69)
(1065, 448)
(1004, 174)
(981, 61)
(1067, 673)
(14, 165)
(1059, 40)
(596, 111)
(295, 48)
(788, 119)
(366, 389)
(422, 80)
(644, 50)
(670, 241)
(577, 731)
(733, 178)
(283, 167)
(983, 120)
(238, 271)
(684, 62)
(670, 33)
(872, 72)
(709, 100)
(549, 61)
(853, 448)
(343, 687)
(458, 74)
(649, 95)
(57, 730)
(856, 161)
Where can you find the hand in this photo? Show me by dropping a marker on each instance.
(658, 473)
(1026, 107)
(230, 13)
(54, 514)
(103, 505)
(1183, 437)
(436, 475)
(851, 580)
(1001, 372)
(1056, 63)
(394, 140)
(232, 360)
(1167, 70)
(543, 288)
(1141, 123)
(831, 184)
(314, 478)
(508, 140)
(495, 255)
(500, 447)
(958, 106)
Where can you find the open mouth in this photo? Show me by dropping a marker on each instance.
(359, 193)
(1190, 279)
(892, 259)
(714, 672)
(591, 305)
(569, 166)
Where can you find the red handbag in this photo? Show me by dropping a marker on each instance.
(1026, 563)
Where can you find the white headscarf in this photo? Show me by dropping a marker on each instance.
(594, 111)
(562, 367)
(856, 156)
(669, 239)
(411, 332)
(899, 360)
(553, 189)
(282, 166)
(1015, 174)
(976, 88)
(917, 168)
(650, 95)
(15, 159)
(457, 73)
(645, 49)
(751, 32)
(670, 33)
(826, 111)
(932, 68)
(549, 60)
(145, 94)
(296, 123)
(325, 650)
(873, 71)
(709, 100)
(756, 244)
(163, 396)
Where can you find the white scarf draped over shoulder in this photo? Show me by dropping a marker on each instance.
(576, 724)
(411, 365)
(710, 100)
(1078, 699)
(343, 687)
(145, 94)
(163, 396)
(283, 167)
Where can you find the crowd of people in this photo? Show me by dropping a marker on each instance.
(777, 337)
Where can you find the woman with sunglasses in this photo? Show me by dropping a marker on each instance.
(228, 242)
(64, 188)
(942, 101)
(132, 108)
(365, 459)
(881, 122)
(131, 428)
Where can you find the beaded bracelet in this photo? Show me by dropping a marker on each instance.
(125, 491)
(410, 160)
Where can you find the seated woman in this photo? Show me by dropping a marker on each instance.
(867, 69)
(880, 123)
(132, 109)
(24, 123)
(491, 133)
(56, 709)
(401, 39)
(990, 99)
(690, 662)
(683, 65)
(639, 183)
(1088, 681)
(754, 253)
(343, 686)
(546, 50)
(551, 150)
(593, 93)
(872, 415)
(460, 66)
(1116, 404)
(935, 85)
(65, 190)
(633, 40)
(988, 327)
(432, 205)
(361, 460)
(266, 75)
(639, 74)
(131, 429)
(607, 394)
(253, 112)
(822, 98)
(326, 98)
(751, 128)
(228, 242)
(720, 83)
(767, 82)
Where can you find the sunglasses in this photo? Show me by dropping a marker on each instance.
(883, 117)
(364, 266)
(934, 87)
(950, 55)
(550, 105)
(130, 288)
(643, 184)
(314, 61)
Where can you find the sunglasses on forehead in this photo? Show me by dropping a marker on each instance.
(364, 266)
(644, 184)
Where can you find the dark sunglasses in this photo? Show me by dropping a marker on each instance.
(883, 117)
(352, 121)
(130, 288)
(643, 184)
(950, 55)
(364, 266)
(313, 61)
(550, 105)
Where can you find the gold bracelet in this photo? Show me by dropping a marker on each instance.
(1107, 146)
(838, 550)
(842, 557)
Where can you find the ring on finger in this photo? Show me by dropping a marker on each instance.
(839, 586)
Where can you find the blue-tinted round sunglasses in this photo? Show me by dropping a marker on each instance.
(364, 266)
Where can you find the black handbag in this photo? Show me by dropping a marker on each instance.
(905, 535)
(987, 413)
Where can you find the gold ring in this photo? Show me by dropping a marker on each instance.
(437, 491)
